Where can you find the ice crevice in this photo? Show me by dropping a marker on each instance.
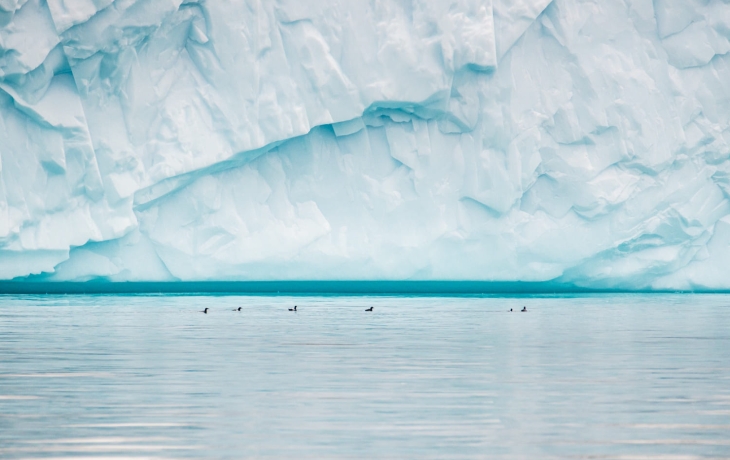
(580, 141)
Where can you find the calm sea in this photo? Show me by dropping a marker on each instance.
(591, 376)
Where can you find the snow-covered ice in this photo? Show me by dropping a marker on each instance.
(580, 141)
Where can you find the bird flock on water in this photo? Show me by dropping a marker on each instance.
(291, 309)
(524, 309)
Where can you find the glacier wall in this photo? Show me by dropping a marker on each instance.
(580, 141)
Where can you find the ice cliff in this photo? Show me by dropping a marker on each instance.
(580, 141)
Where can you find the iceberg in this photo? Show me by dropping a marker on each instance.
(581, 142)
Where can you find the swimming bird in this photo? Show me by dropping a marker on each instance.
(204, 311)
(524, 309)
(293, 309)
(510, 309)
(237, 309)
(369, 309)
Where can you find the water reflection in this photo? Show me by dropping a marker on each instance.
(624, 376)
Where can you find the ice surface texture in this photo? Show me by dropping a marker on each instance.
(585, 142)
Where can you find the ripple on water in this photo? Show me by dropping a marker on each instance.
(609, 376)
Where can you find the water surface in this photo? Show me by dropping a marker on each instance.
(602, 376)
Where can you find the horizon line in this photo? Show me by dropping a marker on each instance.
(322, 287)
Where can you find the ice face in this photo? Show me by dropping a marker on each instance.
(584, 142)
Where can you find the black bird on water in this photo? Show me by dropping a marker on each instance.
(369, 309)
(524, 309)
(510, 309)
(204, 311)
(293, 309)
(237, 309)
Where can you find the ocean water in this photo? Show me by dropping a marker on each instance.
(585, 376)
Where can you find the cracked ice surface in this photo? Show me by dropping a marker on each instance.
(584, 142)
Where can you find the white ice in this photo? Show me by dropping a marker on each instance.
(580, 141)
